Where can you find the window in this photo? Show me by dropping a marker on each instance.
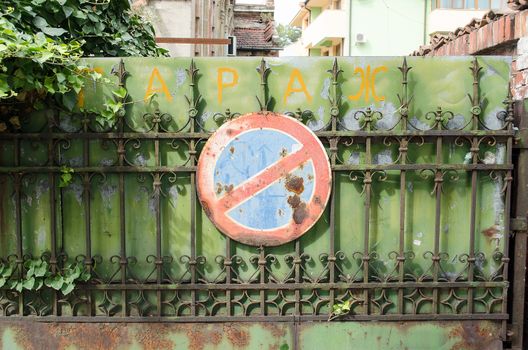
(468, 4)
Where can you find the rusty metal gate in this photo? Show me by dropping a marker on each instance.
(416, 231)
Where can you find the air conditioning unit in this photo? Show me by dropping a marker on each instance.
(360, 38)
(232, 46)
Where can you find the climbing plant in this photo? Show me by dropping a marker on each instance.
(38, 273)
(42, 41)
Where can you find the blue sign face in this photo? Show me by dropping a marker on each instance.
(249, 154)
(263, 179)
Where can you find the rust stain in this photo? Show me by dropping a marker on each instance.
(474, 336)
(237, 336)
(232, 149)
(228, 188)
(491, 232)
(207, 210)
(198, 338)
(300, 212)
(154, 337)
(283, 152)
(276, 330)
(294, 184)
(32, 335)
(294, 201)
(219, 188)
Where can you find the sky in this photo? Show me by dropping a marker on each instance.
(285, 10)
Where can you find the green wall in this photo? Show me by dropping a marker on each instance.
(394, 27)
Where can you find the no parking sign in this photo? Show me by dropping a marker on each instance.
(263, 179)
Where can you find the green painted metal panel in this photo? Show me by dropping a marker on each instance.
(279, 336)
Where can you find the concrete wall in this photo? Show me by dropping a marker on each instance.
(173, 19)
(295, 49)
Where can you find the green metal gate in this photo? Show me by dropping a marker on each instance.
(416, 229)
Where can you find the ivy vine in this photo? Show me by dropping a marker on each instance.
(39, 273)
(340, 309)
(42, 41)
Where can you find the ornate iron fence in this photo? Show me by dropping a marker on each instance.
(142, 169)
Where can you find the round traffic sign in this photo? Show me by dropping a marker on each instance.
(263, 179)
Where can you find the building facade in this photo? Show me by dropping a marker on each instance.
(191, 19)
(379, 27)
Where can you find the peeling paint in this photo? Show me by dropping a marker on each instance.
(491, 121)
(107, 192)
(456, 123)
(74, 161)
(325, 91)
(66, 123)
(106, 162)
(416, 123)
(77, 191)
(353, 159)
(489, 158)
(181, 76)
(500, 153)
(390, 115)
(383, 157)
(140, 160)
(42, 186)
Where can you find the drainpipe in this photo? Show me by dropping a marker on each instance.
(350, 28)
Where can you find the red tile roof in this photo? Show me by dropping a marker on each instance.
(466, 36)
(257, 37)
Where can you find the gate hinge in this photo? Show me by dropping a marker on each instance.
(521, 139)
(519, 225)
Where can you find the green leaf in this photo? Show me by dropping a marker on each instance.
(54, 31)
(18, 286)
(7, 271)
(54, 282)
(3, 281)
(67, 288)
(121, 92)
(40, 22)
(60, 77)
(38, 284)
(29, 283)
(45, 55)
(41, 270)
(85, 276)
(67, 11)
(79, 14)
(69, 100)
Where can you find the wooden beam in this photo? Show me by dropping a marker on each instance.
(208, 41)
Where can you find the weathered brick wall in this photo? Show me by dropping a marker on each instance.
(520, 70)
(494, 34)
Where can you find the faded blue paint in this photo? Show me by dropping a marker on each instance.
(249, 154)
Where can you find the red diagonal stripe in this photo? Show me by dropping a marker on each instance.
(263, 179)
